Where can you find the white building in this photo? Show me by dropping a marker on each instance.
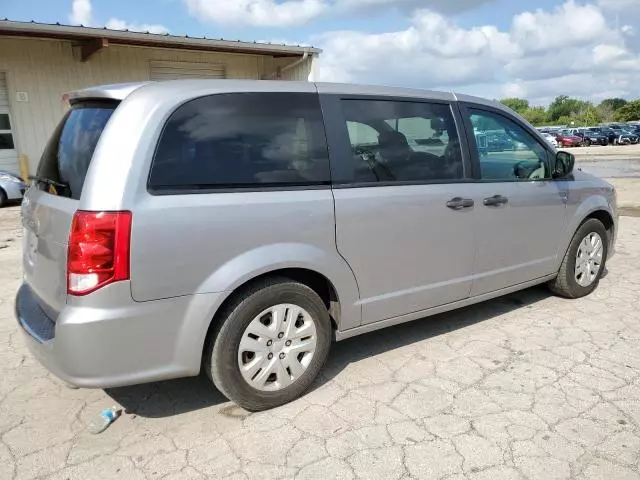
(39, 63)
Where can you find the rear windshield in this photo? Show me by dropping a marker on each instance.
(68, 154)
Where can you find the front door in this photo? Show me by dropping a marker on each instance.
(521, 210)
(402, 221)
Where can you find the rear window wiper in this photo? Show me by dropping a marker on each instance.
(55, 188)
(48, 181)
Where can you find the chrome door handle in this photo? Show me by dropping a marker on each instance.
(495, 201)
(459, 203)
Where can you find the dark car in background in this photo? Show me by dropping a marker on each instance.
(499, 142)
(624, 136)
(616, 136)
(590, 137)
(606, 132)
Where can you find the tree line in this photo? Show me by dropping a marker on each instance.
(564, 110)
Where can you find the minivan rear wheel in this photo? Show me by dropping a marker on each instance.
(270, 344)
(584, 263)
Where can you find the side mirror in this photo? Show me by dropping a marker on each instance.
(563, 165)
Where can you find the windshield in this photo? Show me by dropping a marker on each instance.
(67, 157)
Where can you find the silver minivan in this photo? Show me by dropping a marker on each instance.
(240, 227)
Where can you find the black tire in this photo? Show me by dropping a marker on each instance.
(586, 143)
(3, 198)
(565, 284)
(221, 355)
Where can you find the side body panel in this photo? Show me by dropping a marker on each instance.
(517, 240)
(586, 195)
(207, 243)
(407, 249)
(200, 243)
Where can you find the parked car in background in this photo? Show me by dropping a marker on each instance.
(633, 128)
(607, 132)
(551, 139)
(624, 137)
(568, 140)
(589, 137)
(314, 213)
(499, 142)
(12, 188)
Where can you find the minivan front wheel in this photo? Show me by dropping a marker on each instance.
(270, 345)
(584, 262)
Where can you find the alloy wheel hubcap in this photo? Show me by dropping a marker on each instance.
(277, 347)
(589, 259)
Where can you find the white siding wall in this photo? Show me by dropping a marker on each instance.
(301, 72)
(46, 69)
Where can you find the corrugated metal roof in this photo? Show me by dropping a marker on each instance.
(127, 37)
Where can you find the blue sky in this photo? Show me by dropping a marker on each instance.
(174, 15)
(495, 48)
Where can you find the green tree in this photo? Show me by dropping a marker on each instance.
(608, 108)
(590, 115)
(614, 103)
(561, 121)
(535, 115)
(628, 112)
(565, 106)
(517, 104)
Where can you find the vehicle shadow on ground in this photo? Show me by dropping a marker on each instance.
(173, 397)
(376, 343)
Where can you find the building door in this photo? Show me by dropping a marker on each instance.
(8, 152)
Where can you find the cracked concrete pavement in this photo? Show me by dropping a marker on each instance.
(529, 386)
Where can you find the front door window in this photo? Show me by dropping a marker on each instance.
(507, 152)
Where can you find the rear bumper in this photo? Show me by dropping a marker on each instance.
(105, 347)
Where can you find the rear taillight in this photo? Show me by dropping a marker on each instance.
(98, 250)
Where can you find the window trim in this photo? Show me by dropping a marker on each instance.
(339, 142)
(466, 109)
(222, 188)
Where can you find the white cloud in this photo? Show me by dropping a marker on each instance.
(628, 30)
(432, 51)
(80, 12)
(618, 4)
(117, 24)
(288, 13)
(569, 25)
(259, 13)
(594, 87)
(572, 50)
(445, 6)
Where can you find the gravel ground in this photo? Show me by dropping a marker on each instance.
(620, 165)
(529, 386)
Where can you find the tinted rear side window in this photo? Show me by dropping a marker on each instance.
(244, 140)
(68, 154)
